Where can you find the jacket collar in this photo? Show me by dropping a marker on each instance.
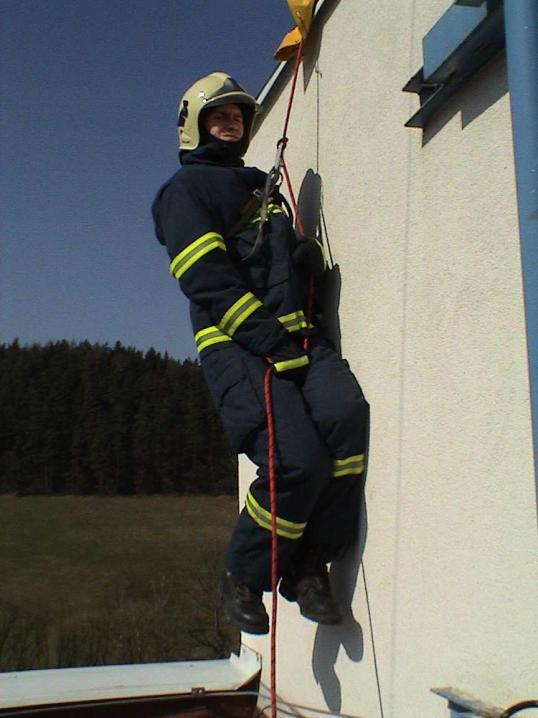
(218, 152)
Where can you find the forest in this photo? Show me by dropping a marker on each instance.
(91, 419)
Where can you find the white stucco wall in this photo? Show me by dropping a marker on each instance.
(432, 322)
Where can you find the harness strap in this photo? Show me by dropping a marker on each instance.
(249, 210)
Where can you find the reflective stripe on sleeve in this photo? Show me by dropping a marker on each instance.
(238, 312)
(294, 321)
(281, 366)
(195, 251)
(287, 529)
(209, 336)
(350, 465)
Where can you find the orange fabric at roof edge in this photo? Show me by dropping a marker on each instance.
(302, 12)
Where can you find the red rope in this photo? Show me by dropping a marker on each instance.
(309, 309)
(269, 410)
(298, 58)
(298, 223)
(299, 226)
(272, 503)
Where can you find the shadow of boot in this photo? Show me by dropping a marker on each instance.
(348, 635)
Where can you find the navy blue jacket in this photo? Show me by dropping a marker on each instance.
(257, 302)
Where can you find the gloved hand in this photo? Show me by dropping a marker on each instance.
(287, 358)
(309, 255)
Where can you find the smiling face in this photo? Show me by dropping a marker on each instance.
(224, 122)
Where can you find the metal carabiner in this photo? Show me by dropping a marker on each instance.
(271, 182)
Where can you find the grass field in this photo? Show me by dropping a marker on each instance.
(89, 580)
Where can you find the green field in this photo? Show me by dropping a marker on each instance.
(90, 580)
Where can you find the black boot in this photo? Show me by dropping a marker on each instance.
(244, 606)
(310, 587)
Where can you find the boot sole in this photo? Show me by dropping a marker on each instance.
(258, 629)
(255, 629)
(289, 594)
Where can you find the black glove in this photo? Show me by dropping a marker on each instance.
(309, 256)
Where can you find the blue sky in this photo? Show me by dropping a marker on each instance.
(87, 136)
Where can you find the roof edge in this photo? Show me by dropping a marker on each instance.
(276, 80)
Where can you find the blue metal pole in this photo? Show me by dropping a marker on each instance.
(521, 28)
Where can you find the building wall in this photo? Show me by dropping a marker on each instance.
(424, 231)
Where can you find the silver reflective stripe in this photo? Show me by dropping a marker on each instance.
(238, 312)
(293, 321)
(195, 251)
(208, 337)
(348, 466)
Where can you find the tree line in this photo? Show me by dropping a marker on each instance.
(93, 419)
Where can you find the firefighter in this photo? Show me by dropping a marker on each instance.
(247, 308)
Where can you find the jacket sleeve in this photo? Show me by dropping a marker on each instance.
(194, 238)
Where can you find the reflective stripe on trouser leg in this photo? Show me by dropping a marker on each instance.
(348, 466)
(342, 416)
(338, 408)
(285, 528)
(303, 468)
(332, 426)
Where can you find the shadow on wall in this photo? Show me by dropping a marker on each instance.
(344, 574)
(483, 91)
(313, 45)
(349, 636)
(314, 225)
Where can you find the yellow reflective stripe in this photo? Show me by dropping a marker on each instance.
(294, 321)
(209, 336)
(280, 366)
(195, 251)
(238, 312)
(350, 465)
(271, 209)
(288, 529)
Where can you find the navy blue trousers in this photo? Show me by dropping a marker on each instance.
(321, 427)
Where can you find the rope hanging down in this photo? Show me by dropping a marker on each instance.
(283, 141)
(274, 175)
(279, 164)
(281, 146)
(272, 506)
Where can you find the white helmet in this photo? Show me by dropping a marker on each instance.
(210, 91)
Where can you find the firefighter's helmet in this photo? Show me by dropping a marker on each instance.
(210, 91)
